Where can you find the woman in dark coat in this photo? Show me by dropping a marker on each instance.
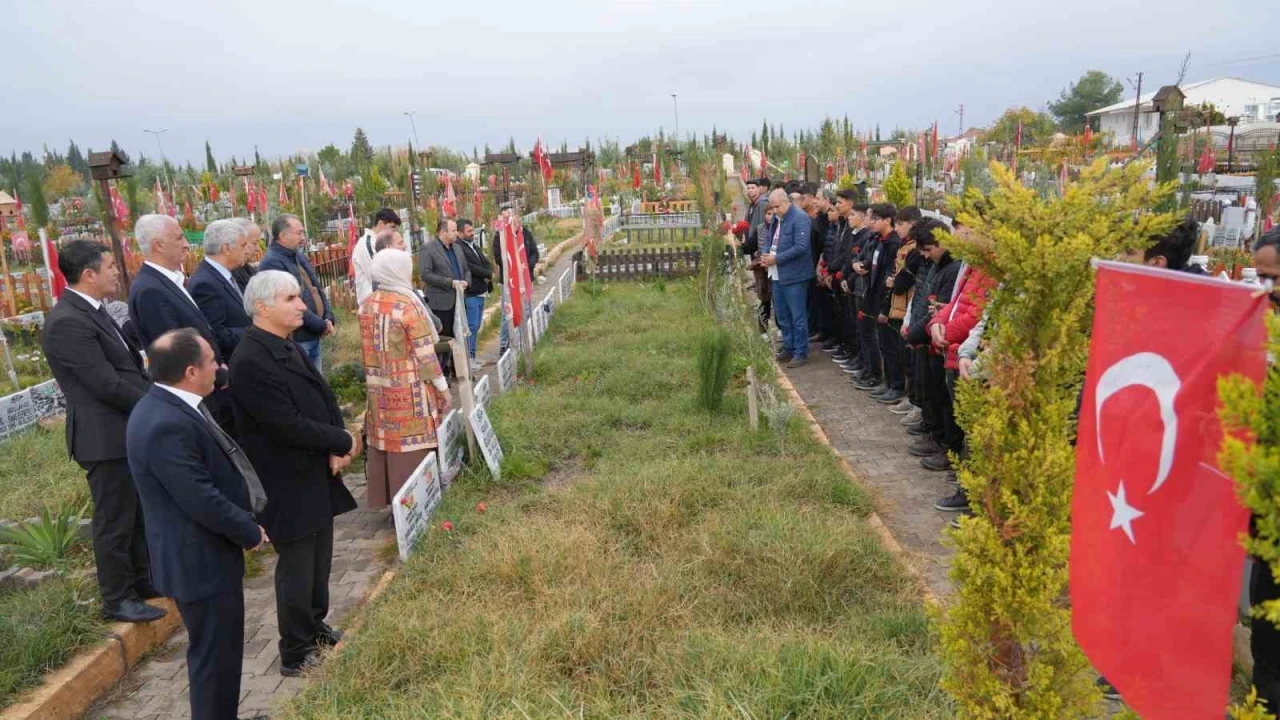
(292, 432)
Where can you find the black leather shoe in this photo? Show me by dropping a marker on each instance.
(891, 397)
(925, 448)
(918, 430)
(937, 463)
(310, 662)
(783, 357)
(133, 610)
(328, 636)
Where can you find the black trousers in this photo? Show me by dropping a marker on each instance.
(939, 399)
(918, 378)
(302, 592)
(826, 312)
(1264, 641)
(764, 293)
(215, 649)
(867, 338)
(119, 533)
(811, 297)
(846, 328)
(890, 341)
(954, 441)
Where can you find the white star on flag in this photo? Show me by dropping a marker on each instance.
(1122, 513)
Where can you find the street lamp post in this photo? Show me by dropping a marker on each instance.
(1231, 143)
(163, 166)
(412, 126)
(676, 106)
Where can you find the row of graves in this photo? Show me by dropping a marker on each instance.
(466, 436)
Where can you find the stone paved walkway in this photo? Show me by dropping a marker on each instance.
(874, 443)
(157, 689)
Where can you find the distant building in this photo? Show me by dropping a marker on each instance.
(1250, 101)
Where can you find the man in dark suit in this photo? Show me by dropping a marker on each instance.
(159, 300)
(214, 288)
(443, 268)
(199, 504)
(294, 435)
(102, 375)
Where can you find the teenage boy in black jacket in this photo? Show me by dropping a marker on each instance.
(864, 321)
(884, 247)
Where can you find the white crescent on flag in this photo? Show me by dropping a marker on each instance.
(1151, 371)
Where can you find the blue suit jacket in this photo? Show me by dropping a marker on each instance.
(795, 264)
(156, 306)
(194, 500)
(221, 306)
(295, 263)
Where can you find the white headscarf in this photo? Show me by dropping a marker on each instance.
(392, 271)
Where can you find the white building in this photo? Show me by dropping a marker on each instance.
(1250, 101)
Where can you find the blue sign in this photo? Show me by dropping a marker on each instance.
(303, 170)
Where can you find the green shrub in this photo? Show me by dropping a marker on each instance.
(47, 542)
(713, 369)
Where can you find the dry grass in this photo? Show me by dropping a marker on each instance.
(682, 567)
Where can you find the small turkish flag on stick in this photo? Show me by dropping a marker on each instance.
(1156, 558)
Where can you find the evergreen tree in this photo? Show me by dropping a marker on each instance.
(35, 200)
(115, 148)
(764, 136)
(257, 159)
(877, 132)
(1094, 89)
(897, 187)
(77, 160)
(361, 150)
(209, 163)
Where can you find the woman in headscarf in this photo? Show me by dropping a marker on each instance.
(407, 391)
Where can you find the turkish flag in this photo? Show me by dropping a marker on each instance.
(1156, 559)
(512, 272)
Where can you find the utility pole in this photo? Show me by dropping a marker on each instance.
(1137, 110)
(960, 112)
(676, 105)
(413, 127)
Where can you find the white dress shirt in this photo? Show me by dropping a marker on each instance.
(177, 278)
(226, 275)
(189, 398)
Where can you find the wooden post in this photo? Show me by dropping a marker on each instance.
(8, 281)
(753, 403)
(462, 368)
(117, 248)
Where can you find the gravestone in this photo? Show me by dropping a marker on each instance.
(413, 505)
(450, 447)
(507, 371)
(483, 392)
(17, 413)
(488, 440)
(566, 284)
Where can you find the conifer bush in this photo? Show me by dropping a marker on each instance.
(897, 187)
(1006, 634)
(713, 368)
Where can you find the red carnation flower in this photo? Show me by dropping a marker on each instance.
(839, 275)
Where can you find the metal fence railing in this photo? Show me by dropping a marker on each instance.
(679, 219)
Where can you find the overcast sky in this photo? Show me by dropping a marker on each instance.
(293, 75)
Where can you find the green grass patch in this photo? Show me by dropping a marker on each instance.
(41, 628)
(641, 558)
(35, 473)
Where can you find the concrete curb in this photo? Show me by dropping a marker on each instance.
(909, 561)
(68, 692)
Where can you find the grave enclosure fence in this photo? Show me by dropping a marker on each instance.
(645, 263)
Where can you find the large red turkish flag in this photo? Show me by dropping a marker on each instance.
(511, 271)
(1156, 559)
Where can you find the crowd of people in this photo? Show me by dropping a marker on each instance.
(872, 287)
(224, 434)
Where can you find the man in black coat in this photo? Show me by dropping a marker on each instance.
(480, 286)
(214, 287)
(294, 435)
(102, 376)
(159, 300)
(199, 515)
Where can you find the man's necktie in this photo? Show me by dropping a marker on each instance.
(257, 496)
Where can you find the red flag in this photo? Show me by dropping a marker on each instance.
(187, 215)
(213, 192)
(352, 239)
(935, 139)
(159, 196)
(262, 198)
(450, 199)
(475, 205)
(635, 180)
(251, 198)
(284, 196)
(831, 172)
(1088, 137)
(657, 171)
(348, 189)
(57, 281)
(510, 263)
(1155, 545)
(17, 197)
(170, 207)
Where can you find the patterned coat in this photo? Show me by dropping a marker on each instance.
(397, 343)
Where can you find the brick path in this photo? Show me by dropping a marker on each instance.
(157, 689)
(874, 443)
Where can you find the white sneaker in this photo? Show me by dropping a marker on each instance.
(476, 367)
(902, 408)
(912, 417)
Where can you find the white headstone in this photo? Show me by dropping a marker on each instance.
(566, 284)
(507, 371)
(483, 393)
(17, 413)
(450, 447)
(413, 505)
(487, 439)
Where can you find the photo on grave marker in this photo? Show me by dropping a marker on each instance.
(413, 506)
(488, 440)
(451, 447)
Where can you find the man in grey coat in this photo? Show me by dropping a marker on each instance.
(443, 268)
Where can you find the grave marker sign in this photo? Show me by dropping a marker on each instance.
(488, 440)
(507, 371)
(483, 393)
(450, 447)
(413, 505)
